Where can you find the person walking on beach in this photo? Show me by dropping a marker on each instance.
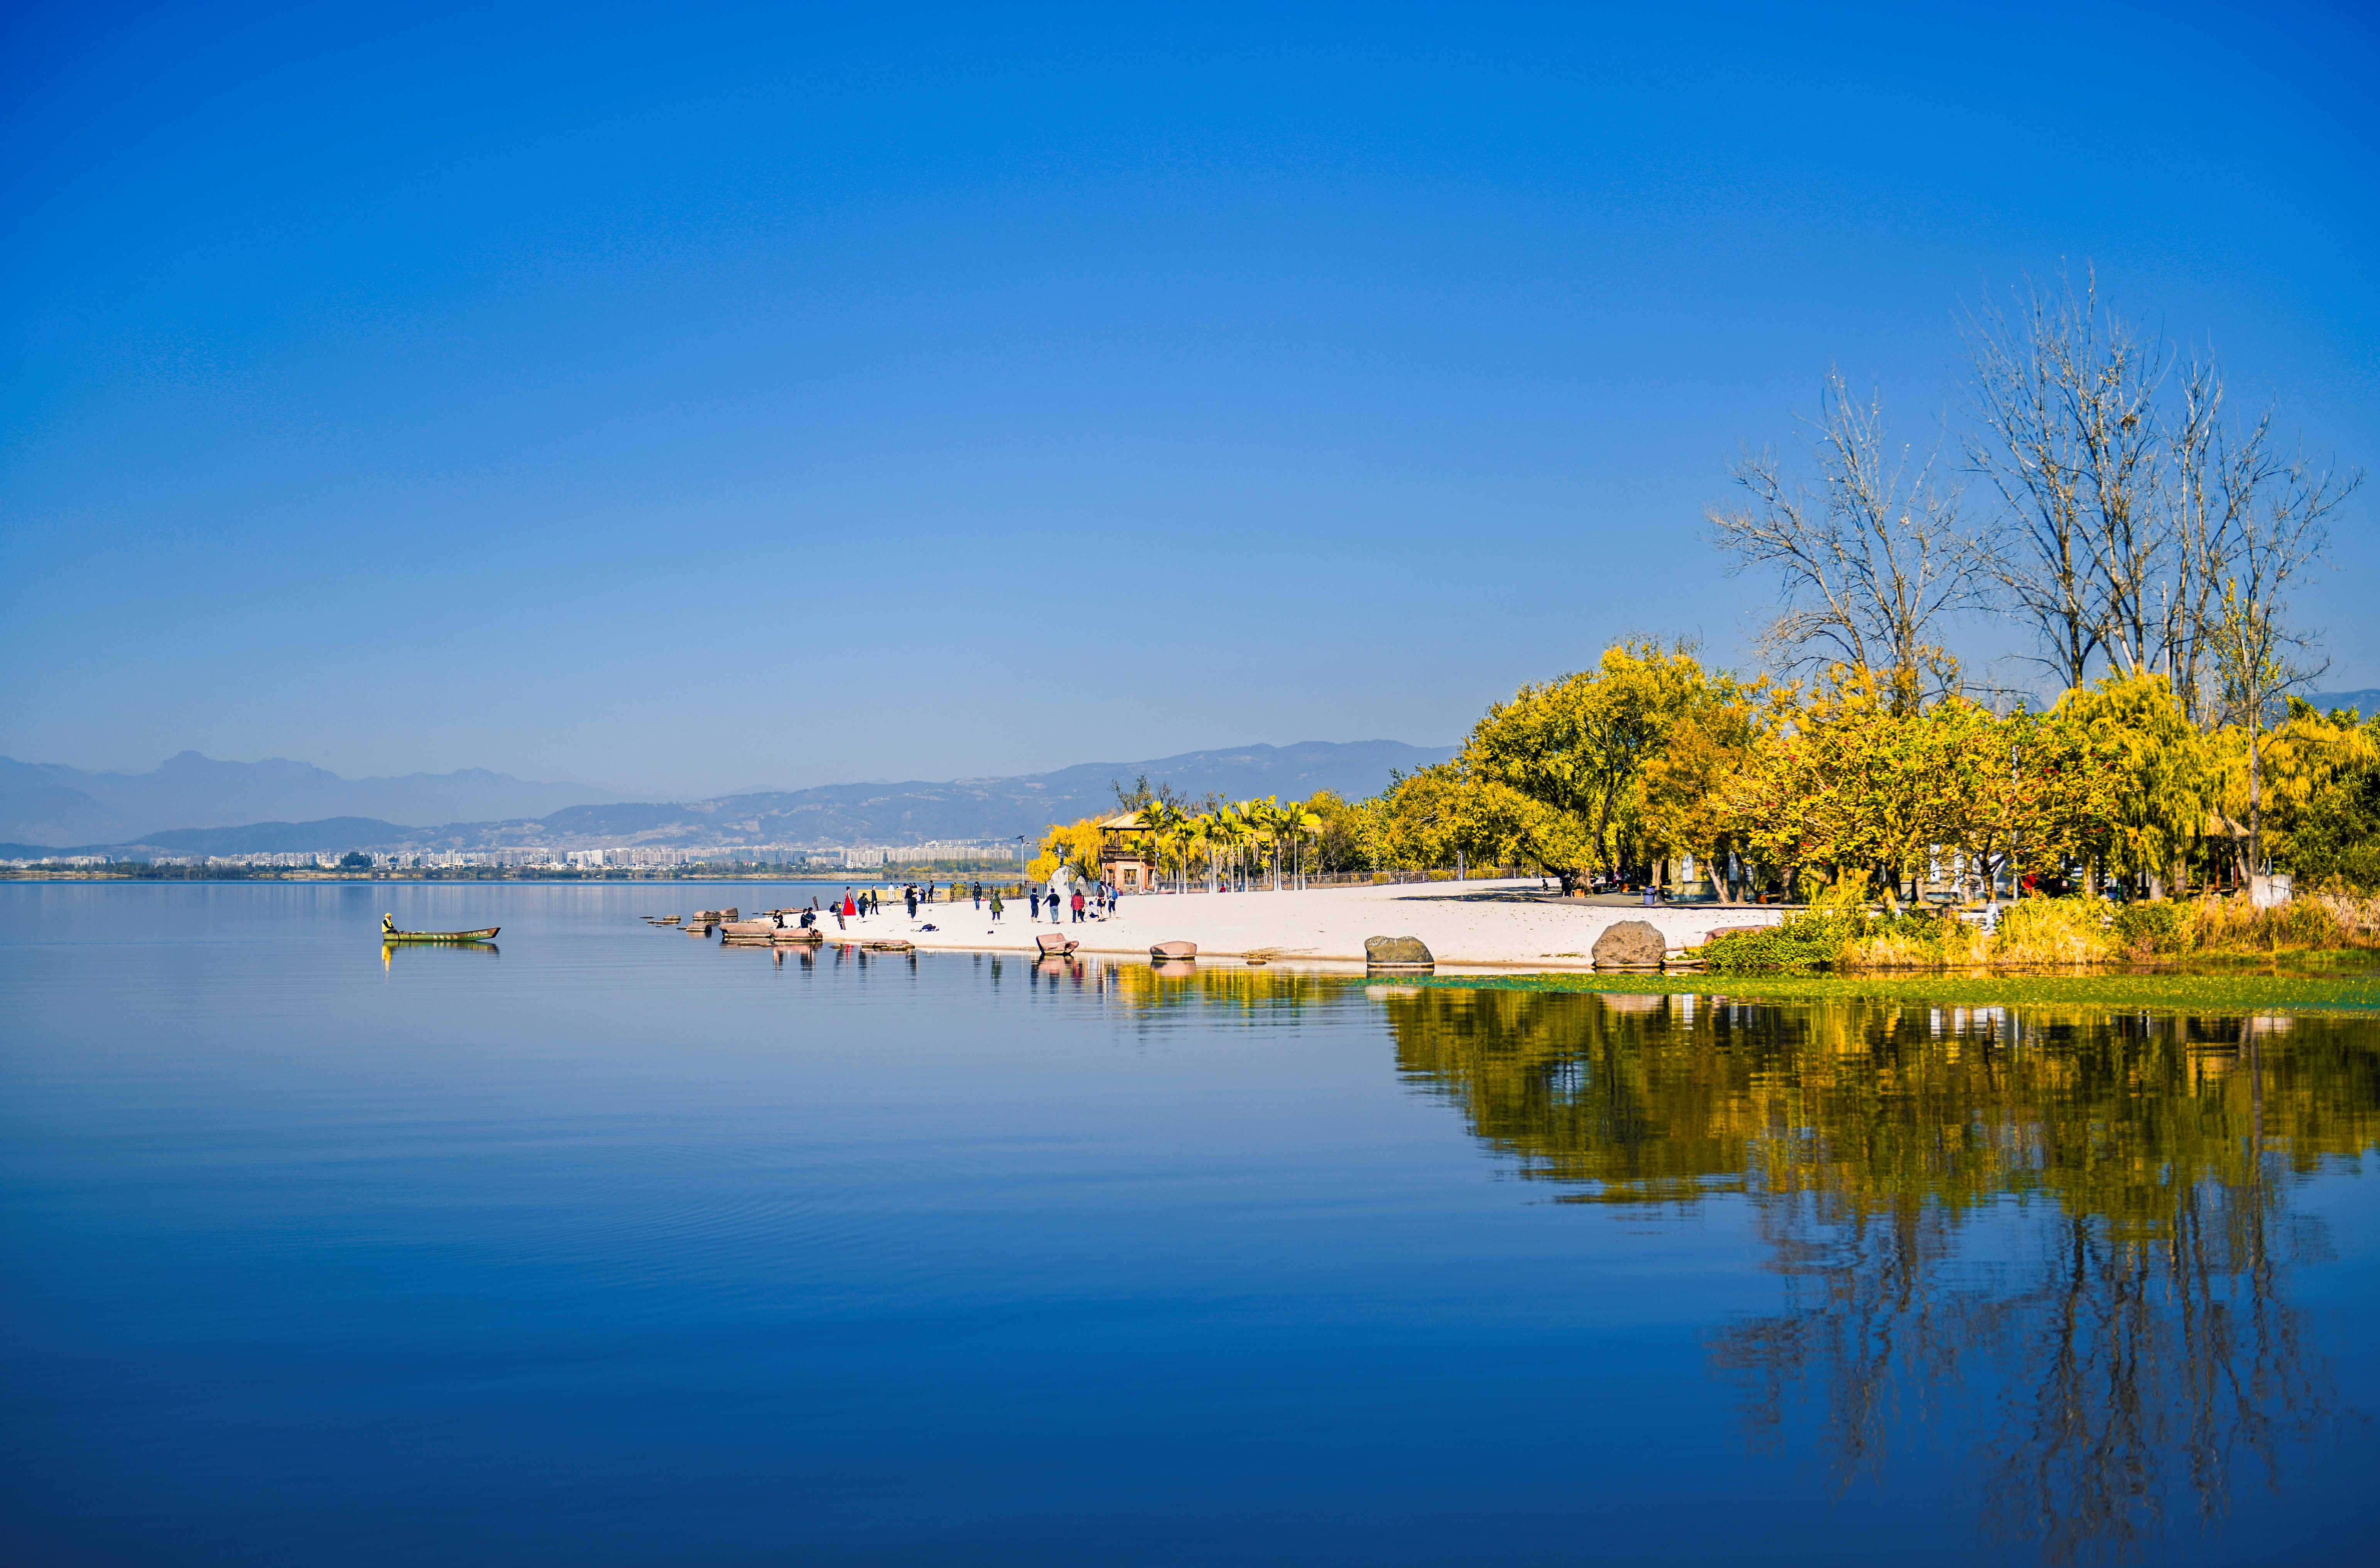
(1078, 906)
(978, 895)
(909, 895)
(1035, 913)
(995, 900)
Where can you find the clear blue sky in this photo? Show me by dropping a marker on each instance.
(408, 389)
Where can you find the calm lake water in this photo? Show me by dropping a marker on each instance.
(614, 1247)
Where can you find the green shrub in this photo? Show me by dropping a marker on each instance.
(2151, 928)
(1799, 945)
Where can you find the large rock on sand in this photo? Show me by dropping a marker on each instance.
(1405, 952)
(1630, 945)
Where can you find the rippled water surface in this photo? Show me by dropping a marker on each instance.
(612, 1245)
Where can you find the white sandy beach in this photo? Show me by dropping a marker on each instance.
(1495, 924)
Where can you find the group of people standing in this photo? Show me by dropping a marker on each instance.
(857, 904)
(913, 895)
(1099, 903)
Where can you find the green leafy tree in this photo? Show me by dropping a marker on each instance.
(1556, 767)
(1690, 785)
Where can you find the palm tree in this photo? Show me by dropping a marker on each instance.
(1251, 830)
(1204, 833)
(1278, 823)
(1163, 820)
(1183, 839)
(1296, 823)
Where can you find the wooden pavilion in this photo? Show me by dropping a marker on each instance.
(1127, 859)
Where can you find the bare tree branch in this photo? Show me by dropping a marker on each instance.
(2065, 404)
(1870, 563)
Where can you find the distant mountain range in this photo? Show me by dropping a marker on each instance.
(2364, 702)
(42, 803)
(866, 813)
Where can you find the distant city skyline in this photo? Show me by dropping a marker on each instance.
(674, 404)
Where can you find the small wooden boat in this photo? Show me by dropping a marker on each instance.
(485, 933)
(1054, 945)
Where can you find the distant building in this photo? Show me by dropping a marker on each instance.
(1125, 859)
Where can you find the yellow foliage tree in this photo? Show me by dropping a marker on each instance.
(2302, 757)
(1688, 797)
(2166, 773)
(1074, 846)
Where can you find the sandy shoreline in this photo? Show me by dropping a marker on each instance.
(1494, 924)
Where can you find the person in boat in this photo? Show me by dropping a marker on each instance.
(388, 925)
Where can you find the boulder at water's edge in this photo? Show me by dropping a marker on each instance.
(1630, 945)
(1397, 950)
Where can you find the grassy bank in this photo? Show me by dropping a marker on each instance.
(2043, 931)
(2217, 992)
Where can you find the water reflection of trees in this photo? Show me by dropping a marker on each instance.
(2067, 1235)
(1206, 991)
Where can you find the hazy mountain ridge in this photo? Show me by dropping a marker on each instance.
(2365, 704)
(48, 804)
(877, 813)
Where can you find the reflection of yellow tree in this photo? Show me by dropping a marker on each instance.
(1209, 987)
(2137, 1345)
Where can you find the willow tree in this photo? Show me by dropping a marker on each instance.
(1434, 814)
(2294, 763)
(2165, 778)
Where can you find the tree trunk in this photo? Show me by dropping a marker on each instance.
(2255, 802)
